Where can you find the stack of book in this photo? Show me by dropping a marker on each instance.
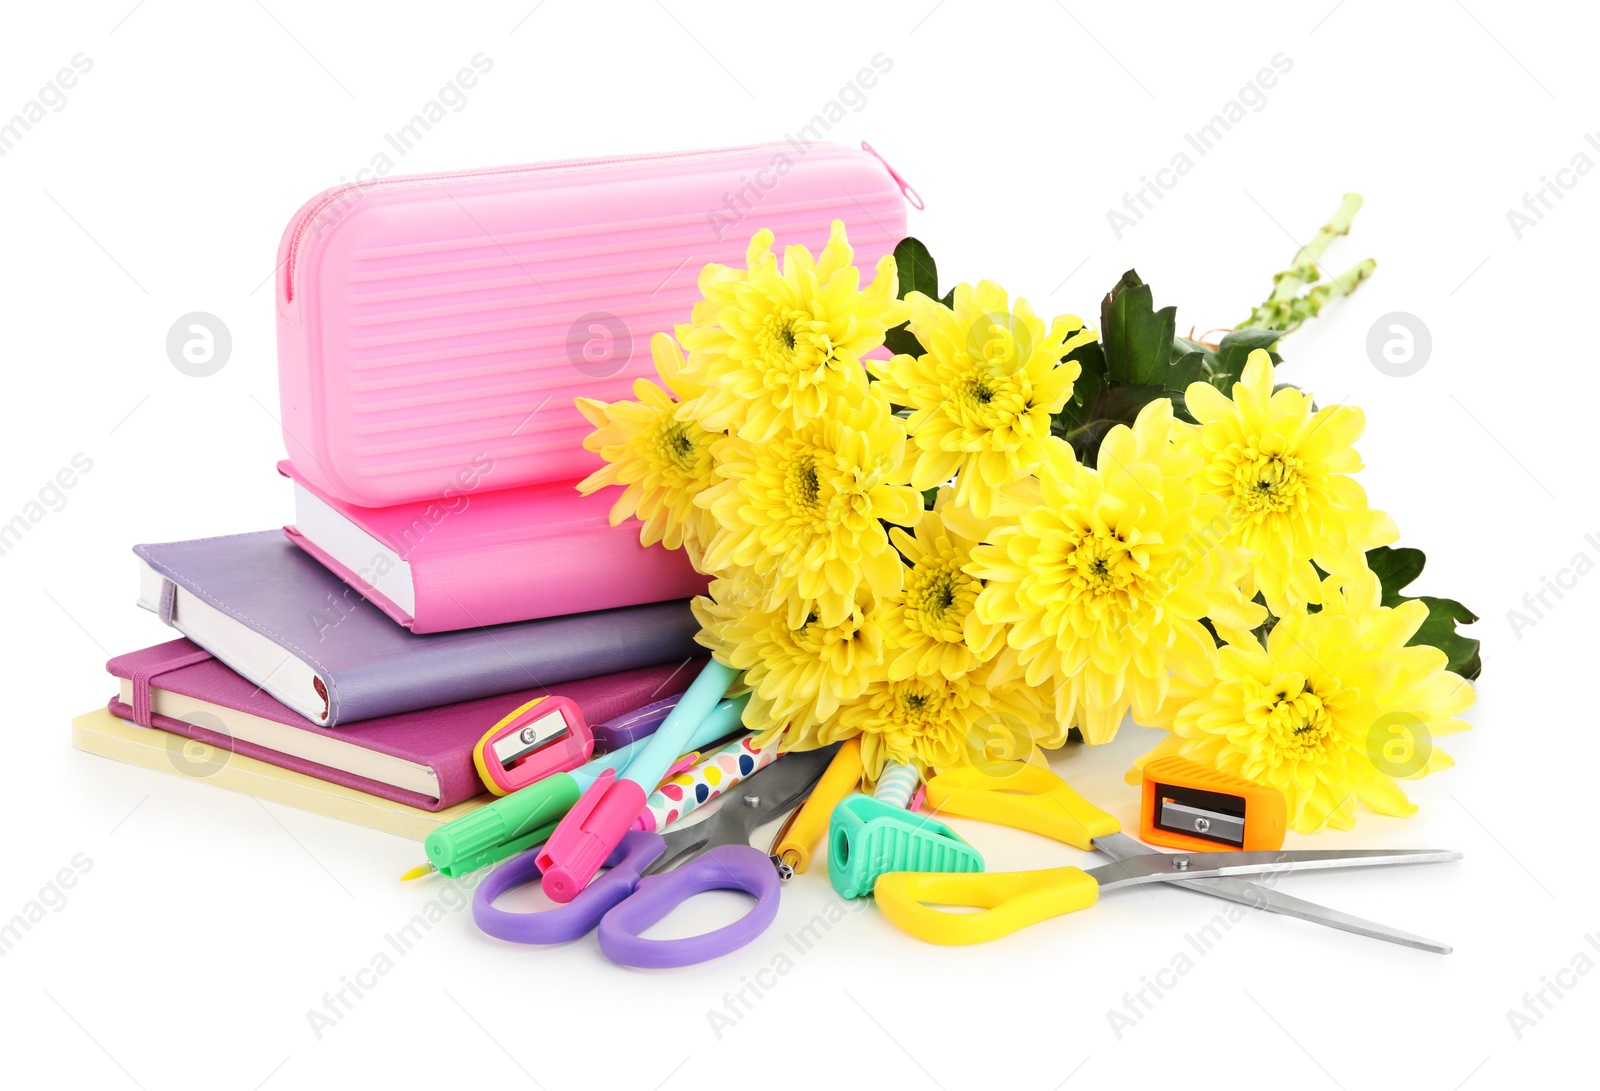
(442, 569)
(349, 663)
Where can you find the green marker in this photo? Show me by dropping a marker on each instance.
(527, 817)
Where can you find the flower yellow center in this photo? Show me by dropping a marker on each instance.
(982, 402)
(920, 719)
(813, 494)
(917, 708)
(1296, 721)
(939, 596)
(1091, 583)
(815, 639)
(676, 449)
(803, 487)
(790, 346)
(838, 656)
(1264, 484)
(1102, 567)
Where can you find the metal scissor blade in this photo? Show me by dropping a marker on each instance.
(680, 850)
(1122, 848)
(781, 785)
(1161, 867)
(1274, 901)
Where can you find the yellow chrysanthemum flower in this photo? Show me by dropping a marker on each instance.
(983, 393)
(1104, 579)
(665, 462)
(932, 623)
(935, 722)
(780, 347)
(805, 510)
(798, 676)
(1330, 712)
(1283, 471)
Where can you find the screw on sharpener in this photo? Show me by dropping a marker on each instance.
(1187, 806)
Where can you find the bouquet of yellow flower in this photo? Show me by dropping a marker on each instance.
(960, 531)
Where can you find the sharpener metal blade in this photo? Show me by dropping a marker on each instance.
(517, 745)
(1219, 826)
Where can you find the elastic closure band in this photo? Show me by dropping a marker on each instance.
(140, 677)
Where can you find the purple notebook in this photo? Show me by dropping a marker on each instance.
(285, 622)
(438, 740)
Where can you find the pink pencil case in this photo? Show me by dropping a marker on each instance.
(428, 322)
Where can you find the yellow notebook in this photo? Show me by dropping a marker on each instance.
(99, 732)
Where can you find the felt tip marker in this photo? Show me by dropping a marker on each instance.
(528, 816)
(608, 808)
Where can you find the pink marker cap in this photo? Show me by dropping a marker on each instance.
(585, 838)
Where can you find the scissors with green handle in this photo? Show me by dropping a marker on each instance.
(1032, 798)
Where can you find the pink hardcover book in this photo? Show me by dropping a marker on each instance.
(428, 322)
(422, 759)
(477, 558)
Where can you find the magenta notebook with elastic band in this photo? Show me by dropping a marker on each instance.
(423, 748)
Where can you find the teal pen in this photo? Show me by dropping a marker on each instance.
(526, 817)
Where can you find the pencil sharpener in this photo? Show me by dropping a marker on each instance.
(1187, 806)
(868, 838)
(547, 735)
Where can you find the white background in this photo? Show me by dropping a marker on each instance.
(208, 925)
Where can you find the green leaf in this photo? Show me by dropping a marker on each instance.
(1225, 363)
(1186, 369)
(1137, 337)
(1116, 403)
(1122, 401)
(1440, 631)
(1188, 366)
(917, 274)
(1396, 569)
(1076, 419)
(916, 268)
(1091, 358)
(900, 340)
(949, 298)
(1139, 358)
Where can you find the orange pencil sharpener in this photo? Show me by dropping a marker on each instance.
(1187, 806)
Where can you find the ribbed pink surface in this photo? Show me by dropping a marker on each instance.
(426, 324)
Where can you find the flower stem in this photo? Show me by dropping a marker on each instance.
(1286, 309)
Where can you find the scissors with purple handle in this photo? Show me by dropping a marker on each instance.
(631, 896)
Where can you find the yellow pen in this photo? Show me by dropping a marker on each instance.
(795, 841)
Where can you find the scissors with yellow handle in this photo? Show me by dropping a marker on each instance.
(1032, 798)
